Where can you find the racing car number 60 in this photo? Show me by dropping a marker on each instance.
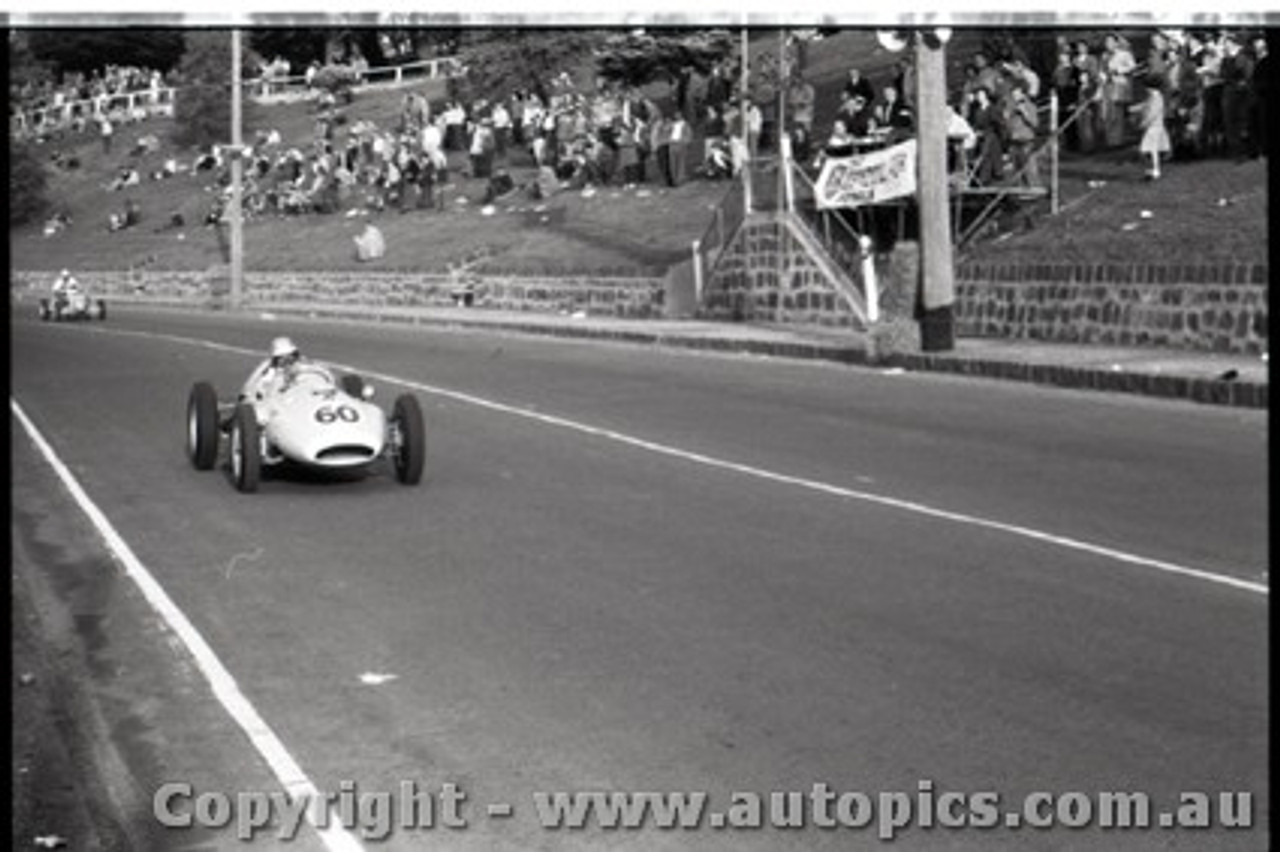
(345, 413)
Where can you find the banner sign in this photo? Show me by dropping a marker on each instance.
(868, 178)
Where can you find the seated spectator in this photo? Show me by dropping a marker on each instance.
(126, 177)
(130, 217)
(839, 145)
(546, 184)
(500, 186)
(894, 114)
(718, 159)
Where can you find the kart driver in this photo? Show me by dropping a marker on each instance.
(276, 373)
(65, 285)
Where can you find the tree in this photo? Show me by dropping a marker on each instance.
(202, 107)
(90, 50)
(500, 61)
(640, 58)
(27, 184)
(24, 66)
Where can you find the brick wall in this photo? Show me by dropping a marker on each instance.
(766, 275)
(1204, 308)
(623, 297)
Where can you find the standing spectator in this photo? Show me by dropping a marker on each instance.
(1064, 83)
(800, 101)
(1118, 65)
(986, 122)
(1088, 96)
(1021, 121)
(107, 132)
(857, 85)
(1155, 138)
(1237, 73)
(628, 159)
(501, 129)
(681, 136)
(660, 134)
(718, 88)
(1207, 57)
(482, 148)
(755, 123)
(1260, 94)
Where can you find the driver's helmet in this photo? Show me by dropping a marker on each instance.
(284, 353)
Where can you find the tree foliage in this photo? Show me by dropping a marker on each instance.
(202, 107)
(501, 61)
(24, 66)
(90, 50)
(640, 58)
(27, 183)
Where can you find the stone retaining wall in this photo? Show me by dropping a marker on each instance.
(621, 297)
(765, 275)
(1202, 308)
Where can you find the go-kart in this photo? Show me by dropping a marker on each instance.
(72, 305)
(314, 421)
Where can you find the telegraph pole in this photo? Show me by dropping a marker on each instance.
(937, 322)
(235, 210)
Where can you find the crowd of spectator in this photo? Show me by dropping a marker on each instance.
(1176, 93)
(1210, 87)
(79, 101)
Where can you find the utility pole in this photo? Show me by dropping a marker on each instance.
(937, 322)
(236, 209)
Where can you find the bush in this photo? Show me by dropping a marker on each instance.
(338, 80)
(28, 183)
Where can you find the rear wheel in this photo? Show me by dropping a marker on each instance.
(202, 426)
(352, 385)
(408, 440)
(246, 449)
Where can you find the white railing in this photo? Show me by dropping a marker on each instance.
(262, 90)
(60, 116)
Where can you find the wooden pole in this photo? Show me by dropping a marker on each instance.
(742, 118)
(937, 331)
(1053, 152)
(237, 219)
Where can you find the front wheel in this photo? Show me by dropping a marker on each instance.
(408, 440)
(246, 449)
(45, 313)
(102, 310)
(202, 426)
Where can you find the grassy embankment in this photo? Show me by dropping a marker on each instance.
(1203, 212)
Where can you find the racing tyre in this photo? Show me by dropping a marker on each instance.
(408, 440)
(202, 426)
(352, 385)
(45, 313)
(246, 449)
(102, 310)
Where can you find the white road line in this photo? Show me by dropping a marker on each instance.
(761, 473)
(286, 769)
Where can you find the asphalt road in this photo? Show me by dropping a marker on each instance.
(640, 570)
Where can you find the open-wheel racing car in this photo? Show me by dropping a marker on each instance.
(72, 305)
(310, 418)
